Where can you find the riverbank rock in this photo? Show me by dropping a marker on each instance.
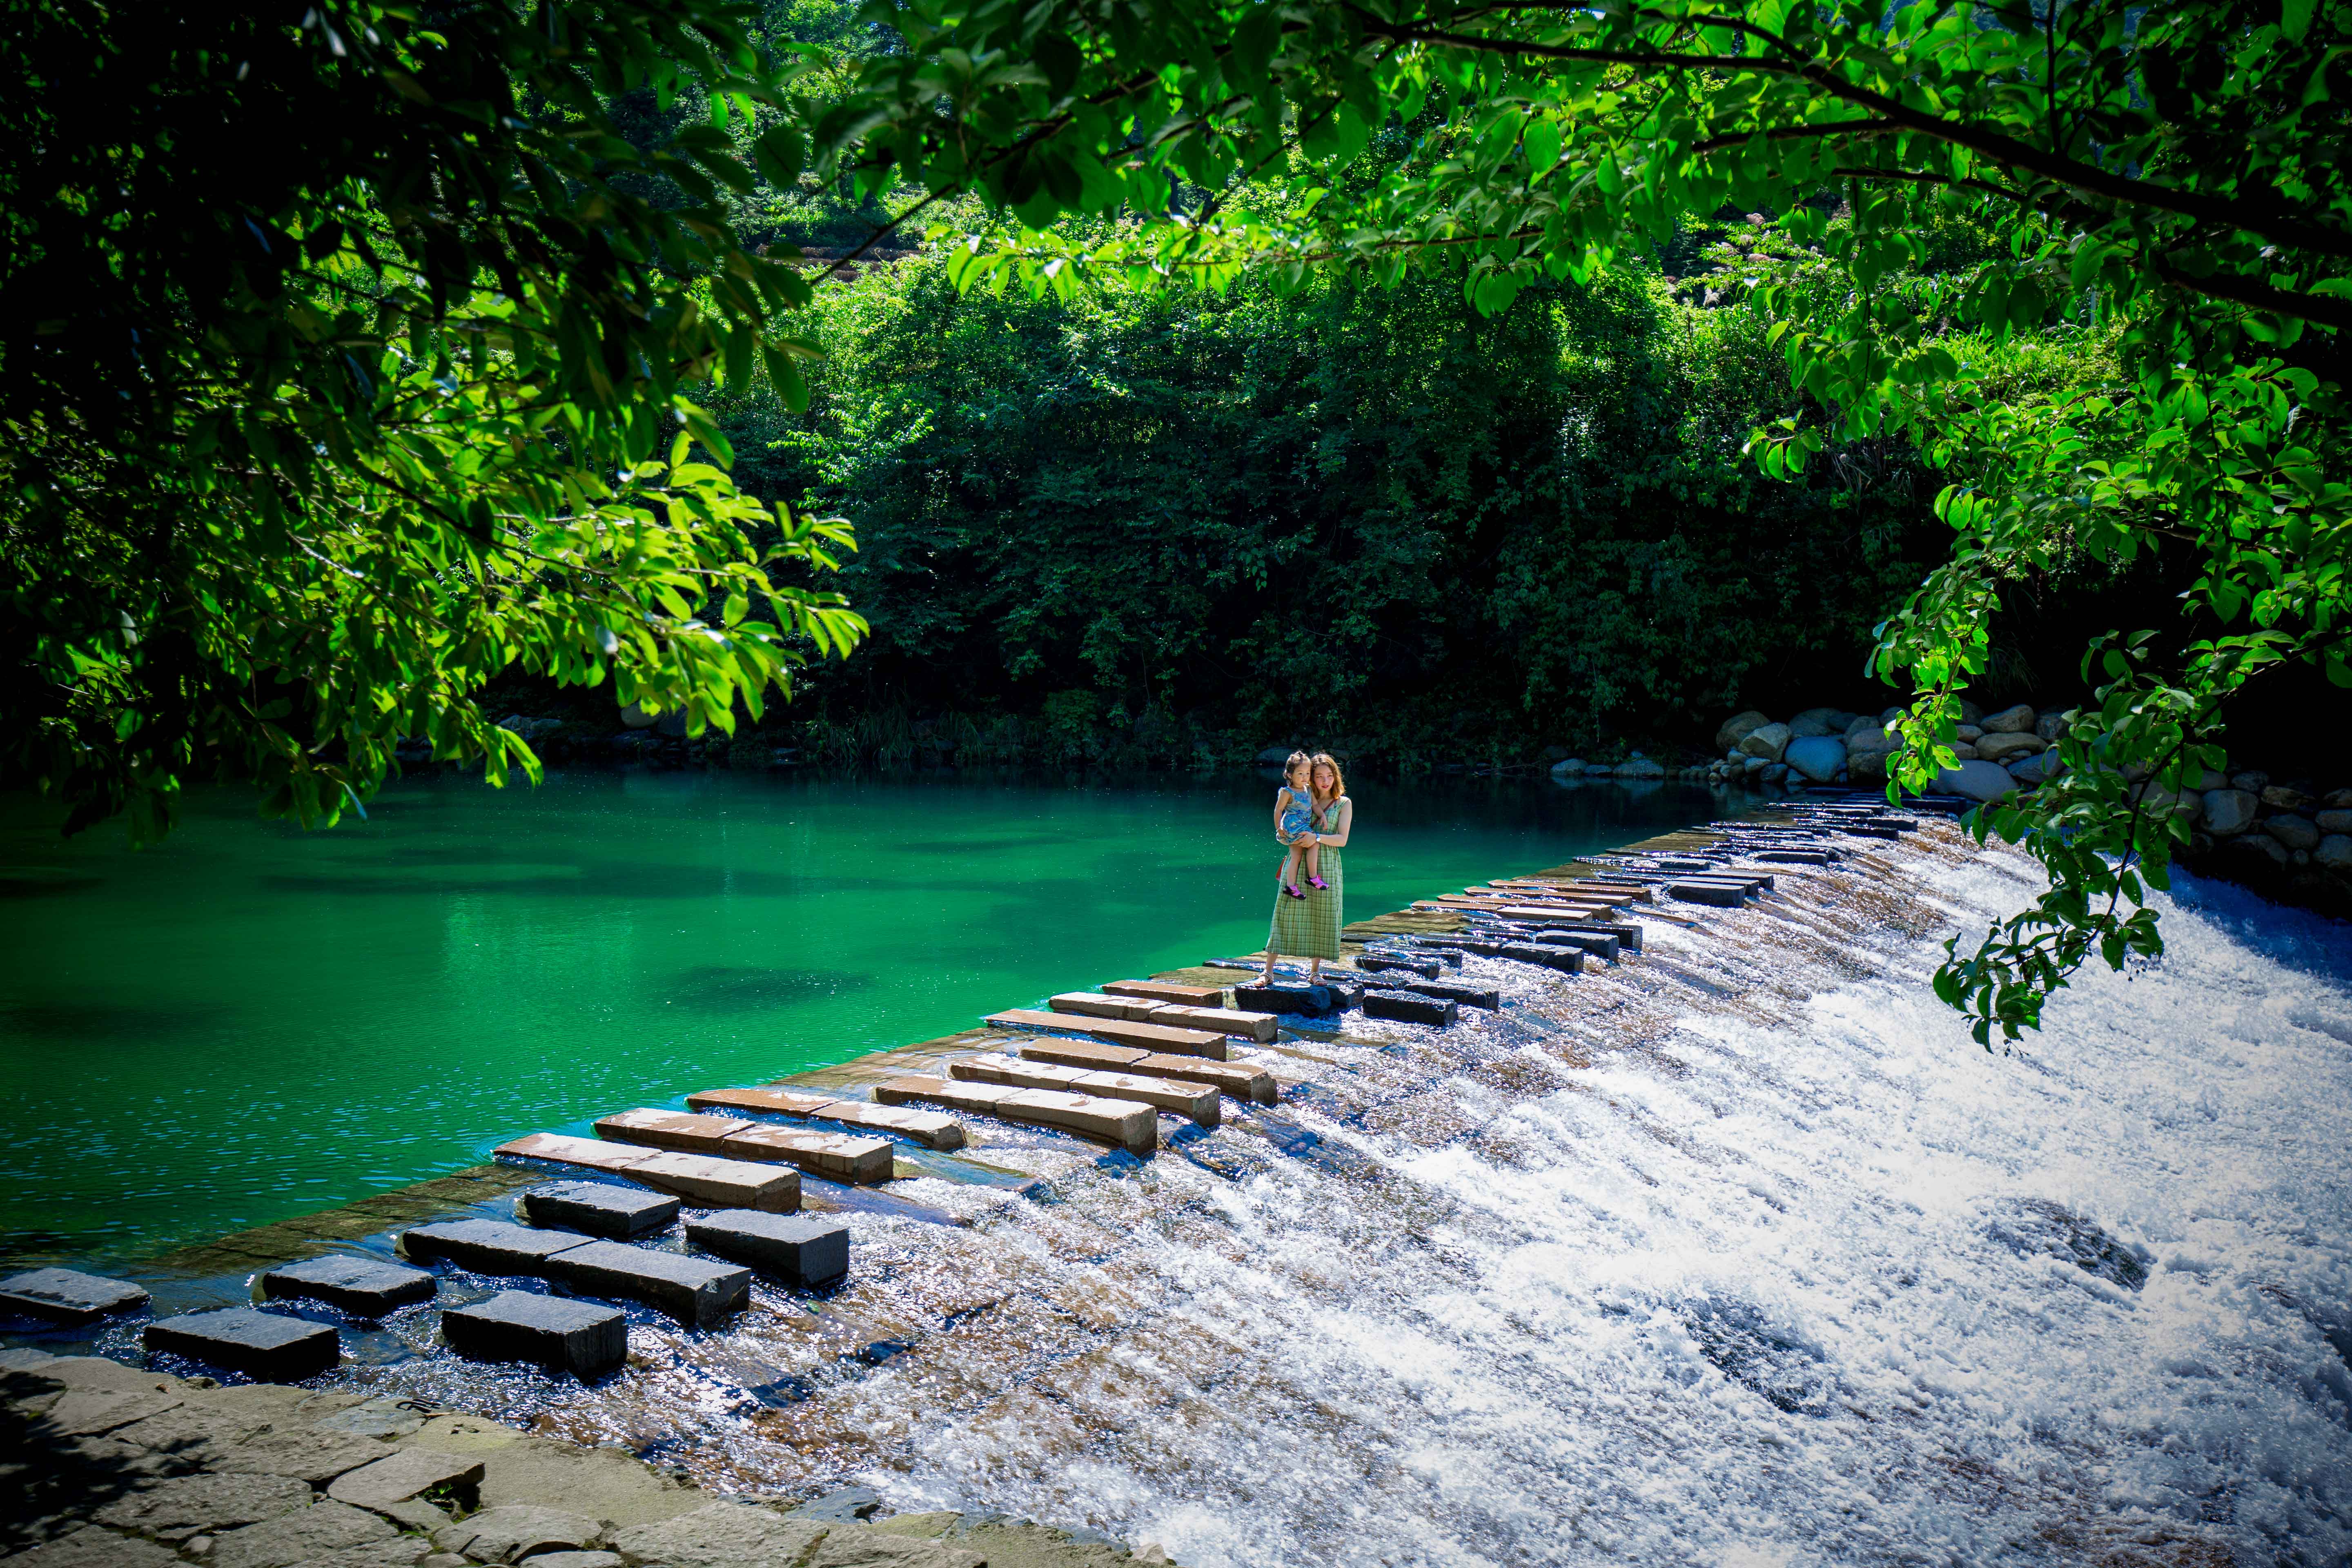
(2228, 812)
(2017, 720)
(1641, 768)
(2002, 745)
(1818, 758)
(1815, 722)
(1738, 727)
(2033, 770)
(1769, 741)
(2292, 831)
(1977, 780)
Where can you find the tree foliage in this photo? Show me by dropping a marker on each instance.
(2175, 174)
(345, 353)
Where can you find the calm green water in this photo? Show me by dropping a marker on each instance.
(250, 1022)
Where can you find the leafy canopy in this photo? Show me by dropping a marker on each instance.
(2174, 174)
(345, 355)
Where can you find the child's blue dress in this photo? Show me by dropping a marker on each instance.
(1296, 816)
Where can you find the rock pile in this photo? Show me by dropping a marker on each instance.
(2289, 839)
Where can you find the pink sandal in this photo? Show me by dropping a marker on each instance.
(1319, 884)
(1294, 892)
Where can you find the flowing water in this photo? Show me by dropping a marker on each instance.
(1739, 1253)
(250, 1022)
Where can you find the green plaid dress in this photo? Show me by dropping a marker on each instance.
(1310, 927)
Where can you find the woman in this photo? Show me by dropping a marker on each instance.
(1309, 927)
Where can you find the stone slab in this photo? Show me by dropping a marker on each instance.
(1313, 1001)
(772, 1099)
(1239, 1079)
(91, 1547)
(578, 1337)
(1138, 1036)
(1258, 1028)
(804, 1250)
(1097, 1004)
(184, 1505)
(1194, 1099)
(697, 1178)
(688, 1288)
(1600, 944)
(1085, 1055)
(834, 1155)
(68, 1295)
(408, 1474)
(1135, 1128)
(927, 1128)
(262, 1345)
(364, 1287)
(681, 1132)
(1716, 895)
(489, 1245)
(1466, 995)
(1566, 960)
(520, 1530)
(1167, 991)
(599, 1208)
(1407, 1007)
(717, 1183)
(305, 1536)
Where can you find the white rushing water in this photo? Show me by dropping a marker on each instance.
(1808, 1278)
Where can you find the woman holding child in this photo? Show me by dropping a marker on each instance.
(1312, 815)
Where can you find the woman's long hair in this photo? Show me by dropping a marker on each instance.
(1339, 779)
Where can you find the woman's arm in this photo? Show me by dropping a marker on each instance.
(1347, 819)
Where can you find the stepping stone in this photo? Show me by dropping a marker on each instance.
(598, 1209)
(1467, 995)
(1566, 960)
(1258, 1028)
(1427, 968)
(803, 1250)
(489, 1245)
(68, 1295)
(681, 1130)
(1165, 991)
(688, 1289)
(1195, 1099)
(1096, 1004)
(927, 1128)
(1311, 1000)
(1407, 1007)
(577, 1337)
(697, 1178)
(1600, 944)
(1138, 1037)
(1710, 893)
(1135, 1128)
(1239, 1079)
(828, 1155)
(364, 1287)
(262, 1345)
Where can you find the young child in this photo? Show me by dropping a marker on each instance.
(1294, 818)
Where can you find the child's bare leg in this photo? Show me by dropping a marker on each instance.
(1290, 868)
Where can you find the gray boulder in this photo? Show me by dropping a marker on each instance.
(1968, 732)
(518, 1530)
(2285, 797)
(1867, 764)
(1816, 757)
(1815, 722)
(2050, 726)
(2229, 811)
(2334, 821)
(2037, 768)
(1862, 727)
(2294, 831)
(2261, 848)
(1886, 720)
(2005, 745)
(1769, 741)
(2335, 852)
(1976, 780)
(1273, 756)
(1567, 767)
(1641, 768)
(2017, 720)
(1738, 727)
(1965, 750)
(2337, 800)
(719, 1535)
(2251, 783)
(1970, 712)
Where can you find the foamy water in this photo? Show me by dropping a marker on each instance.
(1742, 1253)
(1781, 1286)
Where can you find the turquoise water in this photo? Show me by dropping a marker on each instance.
(250, 1022)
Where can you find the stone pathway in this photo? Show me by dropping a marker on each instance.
(106, 1465)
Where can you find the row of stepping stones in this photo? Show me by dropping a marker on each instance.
(578, 1237)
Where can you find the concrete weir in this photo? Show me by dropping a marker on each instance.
(1054, 1301)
